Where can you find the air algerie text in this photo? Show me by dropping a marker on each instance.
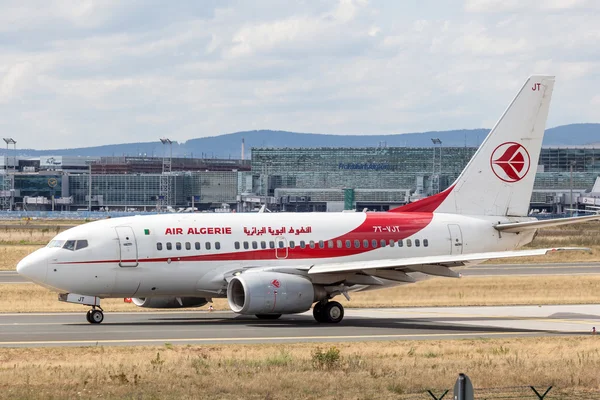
(219, 230)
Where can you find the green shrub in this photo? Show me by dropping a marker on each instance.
(326, 359)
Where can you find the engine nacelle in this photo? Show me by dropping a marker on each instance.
(169, 302)
(271, 293)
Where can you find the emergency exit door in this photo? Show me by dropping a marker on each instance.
(128, 251)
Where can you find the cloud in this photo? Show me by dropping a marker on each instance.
(92, 73)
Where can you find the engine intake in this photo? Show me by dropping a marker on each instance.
(270, 293)
(169, 302)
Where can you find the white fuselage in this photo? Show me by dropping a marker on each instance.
(187, 254)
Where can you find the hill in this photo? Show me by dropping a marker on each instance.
(229, 145)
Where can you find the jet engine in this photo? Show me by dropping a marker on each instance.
(272, 293)
(169, 302)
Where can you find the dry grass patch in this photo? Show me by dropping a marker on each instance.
(362, 371)
(469, 291)
(10, 255)
(28, 236)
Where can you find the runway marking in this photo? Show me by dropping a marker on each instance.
(275, 338)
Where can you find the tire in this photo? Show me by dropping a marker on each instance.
(318, 313)
(88, 316)
(96, 316)
(333, 312)
(268, 316)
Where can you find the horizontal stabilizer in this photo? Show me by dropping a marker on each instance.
(524, 226)
(421, 263)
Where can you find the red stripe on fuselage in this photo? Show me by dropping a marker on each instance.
(376, 226)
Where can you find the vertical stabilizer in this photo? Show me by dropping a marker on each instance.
(499, 178)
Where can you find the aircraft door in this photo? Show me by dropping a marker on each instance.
(281, 247)
(128, 251)
(456, 239)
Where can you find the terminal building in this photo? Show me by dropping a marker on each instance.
(285, 179)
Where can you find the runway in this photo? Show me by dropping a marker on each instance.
(12, 277)
(578, 268)
(157, 328)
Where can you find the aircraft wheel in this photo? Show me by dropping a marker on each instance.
(88, 316)
(268, 316)
(319, 312)
(96, 316)
(333, 312)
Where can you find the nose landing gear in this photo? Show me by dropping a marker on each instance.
(328, 312)
(95, 316)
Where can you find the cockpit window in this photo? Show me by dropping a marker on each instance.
(69, 245)
(56, 243)
(81, 244)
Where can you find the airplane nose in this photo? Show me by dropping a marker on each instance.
(33, 266)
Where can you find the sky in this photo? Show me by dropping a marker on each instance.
(85, 73)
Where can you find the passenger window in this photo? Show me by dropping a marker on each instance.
(292, 244)
(417, 243)
(383, 243)
(425, 242)
(246, 245)
(272, 244)
(218, 245)
(178, 245)
(237, 245)
(392, 243)
(159, 246)
(81, 244)
(281, 245)
(357, 243)
(302, 244)
(374, 243)
(330, 244)
(348, 244)
(408, 243)
(263, 245)
(69, 245)
(366, 244)
(188, 246)
(207, 244)
(400, 243)
(169, 246)
(255, 245)
(321, 244)
(339, 244)
(198, 245)
(311, 244)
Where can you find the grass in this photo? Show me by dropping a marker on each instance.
(468, 291)
(368, 370)
(10, 255)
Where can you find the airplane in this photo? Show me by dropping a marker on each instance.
(269, 264)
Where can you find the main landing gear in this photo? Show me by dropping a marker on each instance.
(95, 315)
(331, 312)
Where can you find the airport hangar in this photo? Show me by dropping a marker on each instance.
(285, 179)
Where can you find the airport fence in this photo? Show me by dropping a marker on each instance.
(504, 393)
(73, 215)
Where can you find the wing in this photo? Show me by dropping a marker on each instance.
(396, 269)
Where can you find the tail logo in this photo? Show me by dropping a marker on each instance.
(510, 162)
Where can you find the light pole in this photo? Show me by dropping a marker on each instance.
(8, 142)
(571, 184)
(165, 177)
(437, 165)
